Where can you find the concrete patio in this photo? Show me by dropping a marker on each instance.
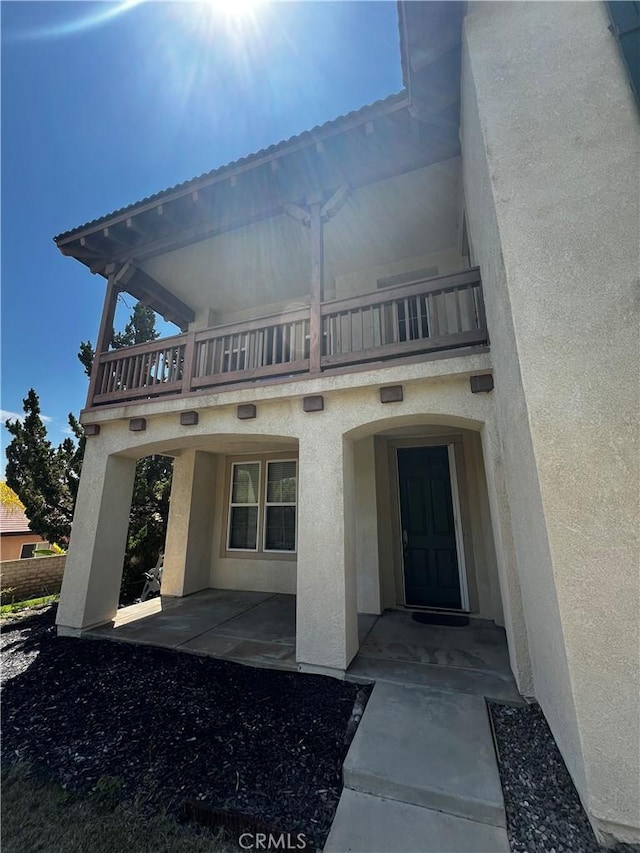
(259, 629)
(256, 628)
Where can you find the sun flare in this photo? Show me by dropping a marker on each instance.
(205, 20)
(234, 10)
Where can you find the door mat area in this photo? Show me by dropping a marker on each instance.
(441, 619)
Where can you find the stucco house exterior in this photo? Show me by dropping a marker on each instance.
(407, 371)
(17, 541)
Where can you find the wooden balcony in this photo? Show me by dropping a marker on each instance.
(409, 320)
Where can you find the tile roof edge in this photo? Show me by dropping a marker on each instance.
(391, 100)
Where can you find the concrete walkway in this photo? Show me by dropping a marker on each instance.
(421, 774)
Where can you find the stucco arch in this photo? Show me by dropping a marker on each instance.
(212, 442)
(409, 420)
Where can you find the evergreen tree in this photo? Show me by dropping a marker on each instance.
(140, 329)
(44, 477)
(147, 522)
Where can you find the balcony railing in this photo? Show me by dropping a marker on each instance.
(440, 313)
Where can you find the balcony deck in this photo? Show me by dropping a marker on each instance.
(408, 320)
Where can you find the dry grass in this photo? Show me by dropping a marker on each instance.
(21, 609)
(43, 818)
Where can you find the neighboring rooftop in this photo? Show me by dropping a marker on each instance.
(13, 520)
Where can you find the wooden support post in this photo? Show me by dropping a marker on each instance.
(317, 276)
(187, 365)
(105, 334)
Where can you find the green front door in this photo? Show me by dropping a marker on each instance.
(431, 573)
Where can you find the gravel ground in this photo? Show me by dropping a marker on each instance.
(544, 813)
(171, 727)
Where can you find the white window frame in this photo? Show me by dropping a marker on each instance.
(232, 505)
(39, 546)
(267, 504)
(259, 551)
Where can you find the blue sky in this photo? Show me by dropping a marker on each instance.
(98, 114)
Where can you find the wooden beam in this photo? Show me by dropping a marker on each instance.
(299, 213)
(317, 276)
(333, 205)
(105, 333)
(150, 292)
(304, 141)
(165, 213)
(133, 224)
(413, 158)
(202, 231)
(97, 266)
(84, 248)
(121, 235)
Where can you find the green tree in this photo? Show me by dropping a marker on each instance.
(147, 522)
(44, 477)
(140, 329)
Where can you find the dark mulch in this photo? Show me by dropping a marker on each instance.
(544, 812)
(175, 727)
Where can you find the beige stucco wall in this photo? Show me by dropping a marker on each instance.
(187, 556)
(336, 458)
(550, 153)
(368, 568)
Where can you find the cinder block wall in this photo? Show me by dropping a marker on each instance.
(38, 576)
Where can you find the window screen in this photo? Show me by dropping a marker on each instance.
(280, 506)
(245, 505)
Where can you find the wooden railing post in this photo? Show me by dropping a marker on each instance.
(317, 275)
(396, 323)
(105, 333)
(187, 364)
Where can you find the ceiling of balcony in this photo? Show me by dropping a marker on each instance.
(269, 262)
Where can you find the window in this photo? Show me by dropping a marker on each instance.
(244, 506)
(262, 506)
(280, 507)
(27, 550)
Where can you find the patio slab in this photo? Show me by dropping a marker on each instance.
(479, 645)
(179, 620)
(366, 621)
(368, 824)
(478, 682)
(430, 748)
(273, 619)
(254, 652)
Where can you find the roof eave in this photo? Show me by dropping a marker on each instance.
(231, 170)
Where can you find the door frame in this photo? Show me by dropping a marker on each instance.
(457, 520)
